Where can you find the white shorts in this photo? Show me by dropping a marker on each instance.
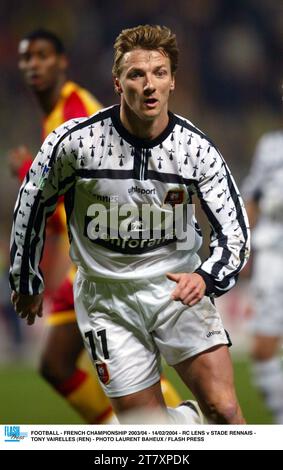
(126, 325)
(267, 285)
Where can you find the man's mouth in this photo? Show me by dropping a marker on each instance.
(151, 102)
(33, 78)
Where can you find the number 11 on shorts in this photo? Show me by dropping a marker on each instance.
(101, 334)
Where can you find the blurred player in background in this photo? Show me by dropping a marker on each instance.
(43, 63)
(139, 296)
(263, 193)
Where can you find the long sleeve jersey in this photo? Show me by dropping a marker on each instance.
(263, 185)
(108, 176)
(73, 101)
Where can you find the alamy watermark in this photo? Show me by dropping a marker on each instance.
(146, 223)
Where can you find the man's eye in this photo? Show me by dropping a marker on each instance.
(161, 73)
(135, 74)
(24, 57)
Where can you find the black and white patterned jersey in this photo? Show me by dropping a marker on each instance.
(104, 173)
(264, 185)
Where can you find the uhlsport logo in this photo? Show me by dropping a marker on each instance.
(137, 189)
(14, 434)
(213, 332)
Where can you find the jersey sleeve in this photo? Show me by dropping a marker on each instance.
(224, 208)
(49, 177)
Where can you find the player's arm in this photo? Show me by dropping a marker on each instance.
(252, 208)
(27, 306)
(230, 235)
(256, 179)
(36, 201)
(56, 260)
(252, 186)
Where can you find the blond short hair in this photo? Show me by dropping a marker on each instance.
(146, 37)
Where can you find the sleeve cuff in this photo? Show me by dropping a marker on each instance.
(209, 282)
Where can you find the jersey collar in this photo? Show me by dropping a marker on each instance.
(136, 141)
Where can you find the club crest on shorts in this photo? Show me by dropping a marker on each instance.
(102, 372)
(174, 196)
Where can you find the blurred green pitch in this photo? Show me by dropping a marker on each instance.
(25, 398)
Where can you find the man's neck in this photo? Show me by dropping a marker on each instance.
(143, 129)
(49, 98)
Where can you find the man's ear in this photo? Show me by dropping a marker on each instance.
(64, 62)
(172, 86)
(117, 85)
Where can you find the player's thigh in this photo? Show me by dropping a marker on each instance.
(209, 375)
(63, 344)
(265, 347)
(181, 332)
(121, 349)
(149, 398)
(267, 319)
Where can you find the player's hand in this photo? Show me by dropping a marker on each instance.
(27, 306)
(17, 157)
(190, 287)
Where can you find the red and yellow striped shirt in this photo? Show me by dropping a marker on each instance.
(74, 101)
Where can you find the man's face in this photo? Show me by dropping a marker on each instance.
(145, 82)
(40, 64)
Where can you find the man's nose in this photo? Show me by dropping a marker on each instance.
(148, 85)
(33, 62)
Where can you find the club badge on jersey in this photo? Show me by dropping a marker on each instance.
(174, 196)
(102, 372)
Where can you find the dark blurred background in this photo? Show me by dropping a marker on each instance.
(228, 83)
